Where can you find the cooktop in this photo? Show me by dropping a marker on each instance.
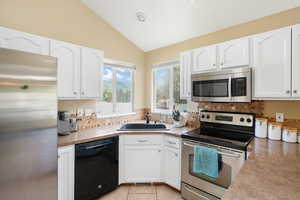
(226, 139)
(232, 130)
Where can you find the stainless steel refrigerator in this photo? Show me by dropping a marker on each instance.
(28, 126)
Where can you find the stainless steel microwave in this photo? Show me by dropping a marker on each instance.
(232, 85)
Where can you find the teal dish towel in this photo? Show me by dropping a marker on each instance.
(206, 161)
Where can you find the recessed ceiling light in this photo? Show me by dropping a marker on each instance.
(140, 16)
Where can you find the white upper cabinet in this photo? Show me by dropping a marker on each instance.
(68, 64)
(234, 53)
(91, 67)
(21, 41)
(185, 74)
(272, 63)
(296, 62)
(204, 59)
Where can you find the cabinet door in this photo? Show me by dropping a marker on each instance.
(205, 59)
(143, 163)
(16, 40)
(172, 167)
(185, 74)
(66, 159)
(68, 63)
(296, 61)
(272, 63)
(91, 67)
(234, 53)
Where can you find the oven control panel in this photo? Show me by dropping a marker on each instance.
(227, 118)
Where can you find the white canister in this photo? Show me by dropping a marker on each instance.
(261, 127)
(274, 131)
(289, 134)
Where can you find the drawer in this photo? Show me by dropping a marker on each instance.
(143, 139)
(172, 142)
(191, 193)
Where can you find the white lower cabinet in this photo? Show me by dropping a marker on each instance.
(172, 167)
(141, 158)
(66, 165)
(150, 158)
(143, 164)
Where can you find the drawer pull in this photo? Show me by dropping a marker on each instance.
(196, 194)
(142, 141)
(171, 142)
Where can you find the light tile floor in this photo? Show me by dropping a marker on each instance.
(143, 192)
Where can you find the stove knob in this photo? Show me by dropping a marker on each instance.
(202, 116)
(242, 119)
(249, 120)
(207, 116)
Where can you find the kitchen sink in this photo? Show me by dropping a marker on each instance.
(142, 127)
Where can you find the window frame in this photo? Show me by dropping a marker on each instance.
(115, 65)
(170, 65)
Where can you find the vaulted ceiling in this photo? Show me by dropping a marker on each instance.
(171, 21)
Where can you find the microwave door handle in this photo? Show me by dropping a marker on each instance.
(229, 88)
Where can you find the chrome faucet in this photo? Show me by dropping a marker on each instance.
(147, 117)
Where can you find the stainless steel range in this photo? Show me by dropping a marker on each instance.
(229, 134)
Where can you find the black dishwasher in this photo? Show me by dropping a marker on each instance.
(96, 168)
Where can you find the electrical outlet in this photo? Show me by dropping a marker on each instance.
(279, 117)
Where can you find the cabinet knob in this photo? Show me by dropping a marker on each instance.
(82, 93)
(214, 65)
(176, 154)
(295, 91)
(159, 151)
(222, 63)
(75, 93)
(287, 91)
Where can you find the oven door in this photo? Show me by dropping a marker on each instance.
(211, 88)
(230, 163)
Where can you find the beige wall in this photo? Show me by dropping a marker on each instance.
(72, 21)
(290, 17)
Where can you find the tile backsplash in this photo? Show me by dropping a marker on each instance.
(259, 108)
(256, 107)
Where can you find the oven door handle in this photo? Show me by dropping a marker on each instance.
(234, 155)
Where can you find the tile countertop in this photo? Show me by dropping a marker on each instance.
(272, 172)
(88, 135)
